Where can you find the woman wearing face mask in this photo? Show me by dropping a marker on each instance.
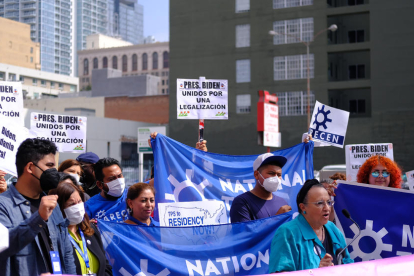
(73, 168)
(310, 240)
(86, 240)
(380, 171)
(141, 204)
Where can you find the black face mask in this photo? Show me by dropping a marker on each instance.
(49, 179)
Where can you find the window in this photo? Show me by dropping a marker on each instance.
(52, 84)
(243, 103)
(163, 91)
(243, 70)
(21, 78)
(163, 82)
(144, 62)
(295, 103)
(115, 62)
(72, 88)
(12, 77)
(295, 29)
(134, 62)
(280, 4)
(155, 61)
(105, 62)
(31, 50)
(356, 36)
(166, 60)
(293, 67)
(31, 59)
(357, 106)
(61, 86)
(85, 67)
(356, 71)
(42, 82)
(242, 6)
(95, 63)
(243, 36)
(124, 63)
(355, 2)
(34, 81)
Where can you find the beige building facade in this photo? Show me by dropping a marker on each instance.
(134, 60)
(16, 46)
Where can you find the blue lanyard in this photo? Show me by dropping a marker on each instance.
(84, 254)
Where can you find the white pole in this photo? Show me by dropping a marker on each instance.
(141, 167)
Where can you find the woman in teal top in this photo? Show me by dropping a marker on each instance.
(311, 240)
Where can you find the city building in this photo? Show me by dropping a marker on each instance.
(52, 25)
(37, 84)
(16, 46)
(99, 41)
(134, 60)
(364, 67)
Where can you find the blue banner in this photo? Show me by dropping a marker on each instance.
(226, 249)
(182, 173)
(384, 215)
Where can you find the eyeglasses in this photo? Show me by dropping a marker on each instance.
(384, 174)
(321, 204)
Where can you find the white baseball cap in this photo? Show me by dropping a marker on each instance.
(267, 158)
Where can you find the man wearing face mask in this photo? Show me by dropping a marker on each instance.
(38, 232)
(110, 203)
(260, 202)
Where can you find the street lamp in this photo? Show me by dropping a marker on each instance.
(331, 28)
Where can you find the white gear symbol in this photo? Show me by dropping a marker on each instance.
(144, 270)
(179, 186)
(100, 214)
(377, 236)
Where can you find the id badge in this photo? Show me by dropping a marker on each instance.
(57, 268)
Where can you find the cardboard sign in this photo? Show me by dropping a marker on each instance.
(11, 102)
(202, 99)
(67, 132)
(328, 125)
(193, 213)
(410, 179)
(356, 155)
(11, 136)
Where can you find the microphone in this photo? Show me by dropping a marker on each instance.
(341, 254)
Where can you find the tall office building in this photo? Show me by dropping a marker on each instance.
(51, 24)
(364, 67)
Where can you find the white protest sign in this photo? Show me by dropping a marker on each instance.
(66, 131)
(410, 179)
(329, 125)
(194, 213)
(11, 102)
(144, 135)
(316, 144)
(356, 155)
(202, 99)
(271, 134)
(4, 238)
(11, 136)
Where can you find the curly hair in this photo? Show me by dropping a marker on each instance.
(392, 168)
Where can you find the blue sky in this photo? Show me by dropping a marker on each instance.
(156, 19)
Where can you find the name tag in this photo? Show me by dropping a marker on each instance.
(57, 268)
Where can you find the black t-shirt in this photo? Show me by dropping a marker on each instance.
(44, 236)
(327, 243)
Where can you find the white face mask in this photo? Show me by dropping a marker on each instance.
(116, 187)
(270, 184)
(76, 176)
(75, 213)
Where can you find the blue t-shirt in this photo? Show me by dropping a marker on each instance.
(99, 207)
(247, 206)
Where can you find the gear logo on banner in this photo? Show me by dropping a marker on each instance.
(322, 122)
(144, 270)
(180, 186)
(376, 236)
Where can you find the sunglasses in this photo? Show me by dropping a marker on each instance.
(384, 174)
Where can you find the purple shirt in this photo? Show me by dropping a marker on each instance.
(247, 207)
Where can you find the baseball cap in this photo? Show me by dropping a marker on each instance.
(88, 157)
(268, 158)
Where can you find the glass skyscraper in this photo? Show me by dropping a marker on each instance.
(51, 24)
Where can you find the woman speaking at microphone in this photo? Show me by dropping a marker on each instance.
(310, 240)
(86, 240)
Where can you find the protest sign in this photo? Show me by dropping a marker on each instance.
(11, 102)
(202, 99)
(144, 135)
(11, 136)
(356, 155)
(66, 131)
(410, 179)
(176, 214)
(225, 249)
(385, 218)
(182, 173)
(329, 125)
